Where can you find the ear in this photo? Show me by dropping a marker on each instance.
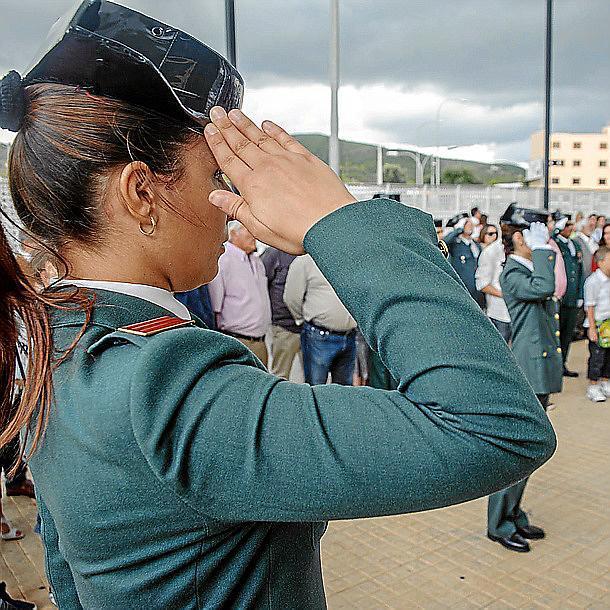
(136, 185)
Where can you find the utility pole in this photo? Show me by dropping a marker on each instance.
(379, 165)
(547, 98)
(333, 143)
(230, 27)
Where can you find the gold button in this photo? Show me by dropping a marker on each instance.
(556, 316)
(557, 333)
(550, 258)
(559, 350)
(544, 354)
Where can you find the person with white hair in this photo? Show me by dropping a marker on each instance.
(239, 293)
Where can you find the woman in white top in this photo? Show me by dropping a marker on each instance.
(487, 277)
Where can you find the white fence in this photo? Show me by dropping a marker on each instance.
(445, 201)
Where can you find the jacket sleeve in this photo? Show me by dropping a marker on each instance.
(451, 238)
(58, 571)
(538, 286)
(242, 445)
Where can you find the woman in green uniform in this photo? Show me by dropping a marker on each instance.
(172, 470)
(528, 286)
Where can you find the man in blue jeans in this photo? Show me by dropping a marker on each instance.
(328, 339)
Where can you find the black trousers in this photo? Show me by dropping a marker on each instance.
(8, 458)
(599, 362)
(567, 326)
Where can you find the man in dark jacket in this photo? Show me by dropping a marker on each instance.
(572, 300)
(285, 334)
(464, 253)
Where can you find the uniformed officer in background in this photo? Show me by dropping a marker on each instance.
(572, 300)
(528, 285)
(464, 252)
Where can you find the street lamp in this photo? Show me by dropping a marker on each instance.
(333, 143)
(419, 168)
(547, 98)
(230, 27)
(438, 129)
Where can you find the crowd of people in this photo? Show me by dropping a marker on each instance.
(478, 254)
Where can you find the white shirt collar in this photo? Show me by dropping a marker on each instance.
(158, 296)
(526, 262)
(563, 239)
(601, 275)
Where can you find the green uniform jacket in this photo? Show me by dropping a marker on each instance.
(574, 272)
(176, 472)
(534, 316)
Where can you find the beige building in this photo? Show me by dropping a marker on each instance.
(577, 160)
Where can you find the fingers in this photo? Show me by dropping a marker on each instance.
(237, 208)
(242, 146)
(227, 160)
(252, 132)
(283, 138)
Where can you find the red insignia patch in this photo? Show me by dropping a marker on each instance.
(158, 325)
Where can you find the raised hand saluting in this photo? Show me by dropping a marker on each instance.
(284, 189)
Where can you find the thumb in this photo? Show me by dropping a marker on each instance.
(237, 208)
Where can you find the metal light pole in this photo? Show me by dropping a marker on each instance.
(547, 98)
(230, 27)
(333, 142)
(379, 165)
(437, 165)
(419, 168)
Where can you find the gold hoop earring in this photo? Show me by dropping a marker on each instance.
(153, 222)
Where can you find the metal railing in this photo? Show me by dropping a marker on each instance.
(445, 201)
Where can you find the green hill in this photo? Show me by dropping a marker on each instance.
(359, 164)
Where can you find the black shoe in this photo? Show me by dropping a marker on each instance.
(8, 603)
(513, 543)
(567, 373)
(531, 532)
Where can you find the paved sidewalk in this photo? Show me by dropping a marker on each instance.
(441, 559)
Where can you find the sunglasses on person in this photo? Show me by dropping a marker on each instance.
(491, 234)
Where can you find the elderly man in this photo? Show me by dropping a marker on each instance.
(328, 339)
(238, 293)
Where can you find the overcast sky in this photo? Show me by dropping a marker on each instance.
(400, 60)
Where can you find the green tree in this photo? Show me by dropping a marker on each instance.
(394, 173)
(458, 176)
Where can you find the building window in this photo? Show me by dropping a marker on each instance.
(555, 144)
(603, 144)
(575, 180)
(554, 180)
(602, 182)
(556, 162)
(576, 163)
(576, 145)
(603, 163)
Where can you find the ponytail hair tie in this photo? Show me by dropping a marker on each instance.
(12, 102)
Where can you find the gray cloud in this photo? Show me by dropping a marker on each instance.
(489, 51)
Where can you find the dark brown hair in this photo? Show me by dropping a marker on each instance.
(484, 232)
(508, 232)
(602, 241)
(68, 141)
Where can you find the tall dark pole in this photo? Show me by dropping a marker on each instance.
(230, 25)
(547, 98)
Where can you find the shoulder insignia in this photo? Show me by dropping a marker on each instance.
(442, 246)
(158, 325)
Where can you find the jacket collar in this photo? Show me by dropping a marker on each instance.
(112, 310)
